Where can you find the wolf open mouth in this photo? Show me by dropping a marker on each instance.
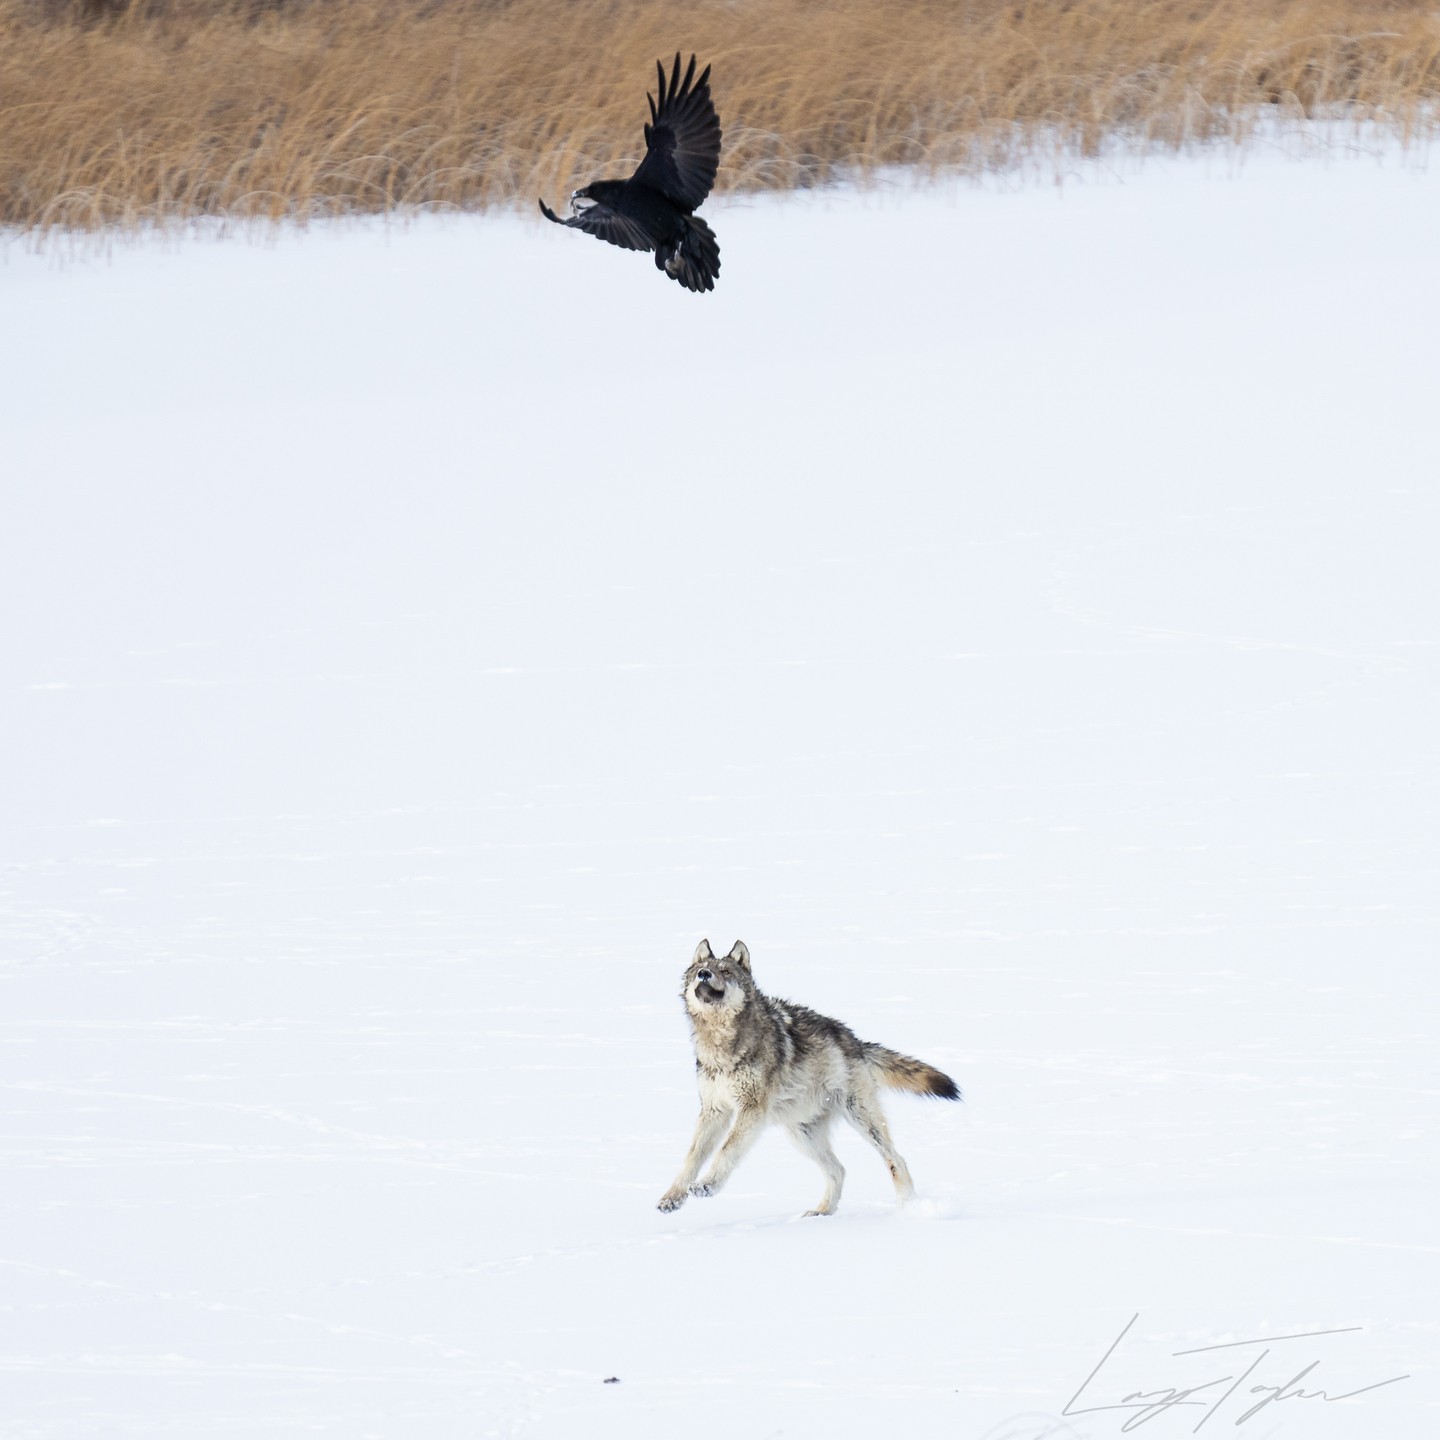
(704, 990)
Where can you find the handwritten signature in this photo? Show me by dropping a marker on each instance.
(1143, 1406)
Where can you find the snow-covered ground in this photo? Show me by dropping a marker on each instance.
(1012, 611)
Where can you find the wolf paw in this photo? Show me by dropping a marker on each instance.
(704, 1189)
(671, 1200)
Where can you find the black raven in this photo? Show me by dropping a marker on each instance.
(654, 208)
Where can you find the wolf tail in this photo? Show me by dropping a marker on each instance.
(900, 1072)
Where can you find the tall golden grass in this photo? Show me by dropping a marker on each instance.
(124, 113)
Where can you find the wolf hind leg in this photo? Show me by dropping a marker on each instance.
(864, 1113)
(813, 1137)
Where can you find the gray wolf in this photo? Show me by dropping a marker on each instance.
(762, 1061)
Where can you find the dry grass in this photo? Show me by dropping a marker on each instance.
(178, 108)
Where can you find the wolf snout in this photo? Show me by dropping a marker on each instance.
(709, 987)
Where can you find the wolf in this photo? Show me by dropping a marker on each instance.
(763, 1061)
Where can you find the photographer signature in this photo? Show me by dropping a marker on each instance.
(1144, 1406)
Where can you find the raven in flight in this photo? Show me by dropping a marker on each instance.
(654, 208)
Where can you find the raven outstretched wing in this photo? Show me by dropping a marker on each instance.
(682, 141)
(600, 220)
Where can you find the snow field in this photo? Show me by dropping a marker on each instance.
(1013, 612)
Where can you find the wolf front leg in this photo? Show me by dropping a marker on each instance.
(748, 1125)
(711, 1125)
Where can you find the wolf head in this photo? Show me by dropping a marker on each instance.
(712, 986)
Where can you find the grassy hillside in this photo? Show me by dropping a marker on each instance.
(122, 114)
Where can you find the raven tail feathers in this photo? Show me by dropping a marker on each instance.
(694, 259)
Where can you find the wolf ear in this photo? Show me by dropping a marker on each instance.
(703, 952)
(739, 954)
